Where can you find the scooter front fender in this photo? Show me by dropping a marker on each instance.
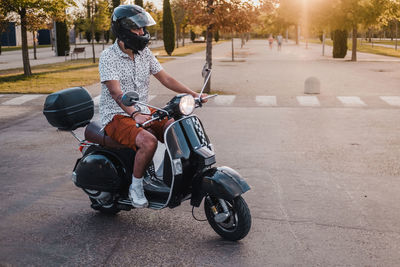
(221, 182)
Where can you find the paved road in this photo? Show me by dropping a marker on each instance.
(325, 187)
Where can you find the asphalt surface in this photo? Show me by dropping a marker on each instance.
(325, 187)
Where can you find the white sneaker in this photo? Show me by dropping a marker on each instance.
(136, 195)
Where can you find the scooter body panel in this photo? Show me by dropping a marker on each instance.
(221, 182)
(185, 141)
(104, 169)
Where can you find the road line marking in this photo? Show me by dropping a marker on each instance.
(96, 100)
(20, 100)
(263, 100)
(151, 97)
(351, 101)
(224, 99)
(391, 100)
(308, 101)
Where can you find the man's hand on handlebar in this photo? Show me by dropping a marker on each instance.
(202, 98)
(142, 118)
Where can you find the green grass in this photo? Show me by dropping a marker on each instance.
(365, 48)
(181, 51)
(50, 78)
(387, 42)
(14, 48)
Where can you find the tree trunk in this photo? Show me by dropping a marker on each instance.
(209, 57)
(287, 34)
(323, 43)
(25, 53)
(177, 36)
(233, 51)
(34, 45)
(103, 40)
(395, 44)
(183, 36)
(354, 46)
(94, 56)
(209, 36)
(297, 34)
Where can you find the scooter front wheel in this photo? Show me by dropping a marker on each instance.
(232, 222)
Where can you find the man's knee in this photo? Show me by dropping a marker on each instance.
(147, 141)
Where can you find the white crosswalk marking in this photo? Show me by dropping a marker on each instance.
(351, 101)
(308, 101)
(229, 100)
(391, 100)
(224, 99)
(20, 100)
(96, 100)
(263, 100)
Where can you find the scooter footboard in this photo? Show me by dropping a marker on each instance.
(222, 182)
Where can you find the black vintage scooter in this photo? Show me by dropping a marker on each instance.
(182, 168)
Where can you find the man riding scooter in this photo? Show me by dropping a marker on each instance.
(126, 66)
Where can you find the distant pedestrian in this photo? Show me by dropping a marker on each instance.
(279, 40)
(271, 41)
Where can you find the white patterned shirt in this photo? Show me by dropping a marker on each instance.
(133, 75)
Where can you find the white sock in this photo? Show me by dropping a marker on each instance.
(137, 181)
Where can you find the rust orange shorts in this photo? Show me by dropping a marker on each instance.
(123, 130)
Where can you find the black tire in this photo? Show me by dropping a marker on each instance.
(238, 224)
(109, 210)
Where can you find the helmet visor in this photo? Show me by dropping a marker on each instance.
(137, 21)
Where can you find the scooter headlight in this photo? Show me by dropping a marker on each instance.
(187, 105)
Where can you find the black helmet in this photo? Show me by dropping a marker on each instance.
(127, 17)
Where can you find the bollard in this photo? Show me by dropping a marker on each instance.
(312, 86)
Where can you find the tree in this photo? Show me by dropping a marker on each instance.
(214, 15)
(36, 20)
(168, 28)
(339, 38)
(180, 18)
(350, 14)
(289, 13)
(157, 16)
(102, 18)
(97, 21)
(62, 38)
(391, 15)
(55, 8)
(238, 20)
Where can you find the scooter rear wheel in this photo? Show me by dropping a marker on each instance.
(109, 210)
(237, 225)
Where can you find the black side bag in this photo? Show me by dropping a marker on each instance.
(69, 109)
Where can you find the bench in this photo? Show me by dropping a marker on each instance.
(77, 51)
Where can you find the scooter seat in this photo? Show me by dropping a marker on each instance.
(94, 133)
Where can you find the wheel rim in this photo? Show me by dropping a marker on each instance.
(230, 224)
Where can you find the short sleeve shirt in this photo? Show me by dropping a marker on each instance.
(133, 75)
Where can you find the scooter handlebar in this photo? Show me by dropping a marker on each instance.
(199, 100)
(155, 116)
